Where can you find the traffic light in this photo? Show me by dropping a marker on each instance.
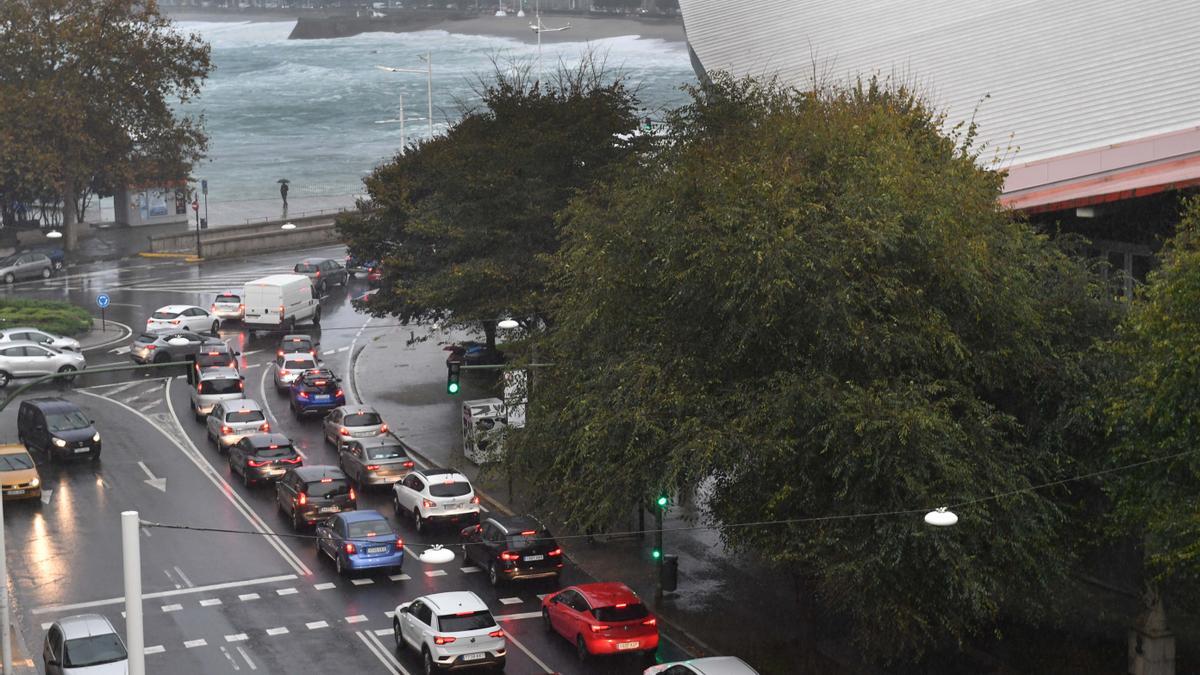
(452, 370)
(656, 553)
(662, 501)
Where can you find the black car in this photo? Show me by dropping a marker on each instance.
(323, 273)
(216, 354)
(259, 457)
(57, 427)
(307, 494)
(513, 547)
(297, 344)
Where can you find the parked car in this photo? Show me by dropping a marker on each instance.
(379, 460)
(162, 346)
(85, 643)
(352, 421)
(297, 344)
(315, 391)
(360, 540)
(355, 266)
(54, 253)
(57, 427)
(187, 317)
(601, 618)
(262, 456)
(213, 386)
(471, 353)
(39, 336)
(322, 273)
(307, 494)
(278, 303)
(710, 665)
(25, 266)
(288, 367)
(30, 359)
(18, 473)
(450, 631)
(230, 420)
(228, 306)
(435, 496)
(512, 547)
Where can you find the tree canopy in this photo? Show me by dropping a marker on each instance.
(810, 304)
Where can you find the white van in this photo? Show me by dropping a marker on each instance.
(278, 303)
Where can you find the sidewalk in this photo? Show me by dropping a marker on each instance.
(104, 334)
(725, 603)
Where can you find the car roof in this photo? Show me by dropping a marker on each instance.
(85, 625)
(175, 308)
(220, 373)
(298, 356)
(311, 472)
(365, 514)
(454, 601)
(378, 441)
(266, 438)
(51, 403)
(24, 329)
(435, 472)
(720, 665)
(241, 404)
(512, 524)
(607, 593)
(13, 449)
(357, 409)
(26, 343)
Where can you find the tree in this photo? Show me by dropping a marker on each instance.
(90, 84)
(465, 222)
(810, 303)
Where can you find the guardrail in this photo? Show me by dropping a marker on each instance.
(301, 214)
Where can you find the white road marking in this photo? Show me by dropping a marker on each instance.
(46, 626)
(195, 643)
(382, 653)
(154, 482)
(399, 577)
(313, 625)
(165, 594)
(325, 586)
(469, 570)
(286, 591)
(210, 602)
(517, 617)
(435, 573)
(246, 656)
(156, 649)
(362, 582)
(236, 637)
(281, 630)
(390, 614)
(172, 608)
(252, 365)
(120, 350)
(357, 618)
(510, 601)
(168, 574)
(513, 640)
(327, 352)
(342, 349)
(120, 388)
(351, 364)
(383, 632)
(186, 581)
(248, 596)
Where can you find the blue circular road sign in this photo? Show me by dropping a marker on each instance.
(102, 300)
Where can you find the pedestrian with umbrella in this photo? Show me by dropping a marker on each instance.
(283, 192)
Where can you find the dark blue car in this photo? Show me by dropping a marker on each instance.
(359, 540)
(316, 391)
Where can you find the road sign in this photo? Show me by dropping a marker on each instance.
(102, 300)
(196, 204)
(204, 186)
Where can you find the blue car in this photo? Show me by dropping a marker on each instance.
(317, 390)
(360, 540)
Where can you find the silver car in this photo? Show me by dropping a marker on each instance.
(86, 643)
(162, 346)
(289, 366)
(228, 305)
(25, 266)
(352, 421)
(230, 420)
(214, 385)
(30, 359)
(381, 460)
(41, 337)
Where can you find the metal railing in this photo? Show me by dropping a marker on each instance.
(301, 214)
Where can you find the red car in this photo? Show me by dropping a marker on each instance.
(374, 276)
(601, 618)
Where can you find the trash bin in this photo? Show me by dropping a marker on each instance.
(669, 572)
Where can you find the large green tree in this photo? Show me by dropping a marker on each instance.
(464, 223)
(86, 95)
(810, 303)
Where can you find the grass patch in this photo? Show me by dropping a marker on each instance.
(62, 318)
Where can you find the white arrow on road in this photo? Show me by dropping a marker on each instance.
(160, 483)
(120, 350)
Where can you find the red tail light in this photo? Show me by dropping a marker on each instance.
(279, 353)
(510, 556)
(372, 467)
(344, 431)
(213, 308)
(383, 429)
(266, 426)
(241, 307)
(150, 348)
(409, 465)
(555, 552)
(496, 633)
(650, 622)
(241, 385)
(349, 548)
(283, 372)
(353, 496)
(427, 504)
(474, 500)
(251, 462)
(318, 273)
(399, 544)
(442, 640)
(293, 460)
(226, 429)
(302, 499)
(337, 393)
(281, 312)
(303, 395)
(597, 627)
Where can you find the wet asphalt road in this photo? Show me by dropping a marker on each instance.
(223, 603)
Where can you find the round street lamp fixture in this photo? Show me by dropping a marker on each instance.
(54, 234)
(287, 226)
(940, 517)
(508, 324)
(436, 554)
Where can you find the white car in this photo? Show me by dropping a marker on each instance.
(349, 422)
(712, 665)
(188, 317)
(436, 496)
(231, 420)
(41, 337)
(228, 305)
(450, 631)
(86, 643)
(289, 366)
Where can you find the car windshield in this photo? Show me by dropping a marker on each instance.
(386, 452)
(16, 462)
(8, 261)
(164, 315)
(449, 489)
(630, 612)
(457, 623)
(362, 420)
(305, 268)
(226, 386)
(275, 451)
(369, 528)
(67, 421)
(228, 297)
(244, 416)
(335, 486)
(93, 651)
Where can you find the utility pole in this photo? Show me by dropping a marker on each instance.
(6, 640)
(131, 561)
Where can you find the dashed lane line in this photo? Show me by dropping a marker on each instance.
(210, 602)
(286, 591)
(357, 618)
(156, 649)
(48, 609)
(237, 637)
(314, 625)
(363, 581)
(248, 596)
(191, 644)
(325, 586)
(510, 601)
(245, 655)
(280, 630)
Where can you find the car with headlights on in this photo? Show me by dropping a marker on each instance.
(187, 317)
(288, 367)
(164, 346)
(601, 618)
(432, 496)
(709, 665)
(379, 460)
(57, 427)
(18, 473)
(30, 359)
(229, 421)
(39, 336)
(85, 643)
(349, 422)
(228, 306)
(360, 540)
(512, 547)
(262, 457)
(450, 631)
(315, 492)
(315, 391)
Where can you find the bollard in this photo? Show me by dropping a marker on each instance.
(669, 572)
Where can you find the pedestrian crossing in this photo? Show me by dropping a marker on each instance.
(145, 395)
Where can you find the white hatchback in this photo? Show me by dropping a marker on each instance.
(188, 317)
(436, 496)
(450, 631)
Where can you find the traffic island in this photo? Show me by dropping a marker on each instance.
(61, 318)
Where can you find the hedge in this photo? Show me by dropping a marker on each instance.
(62, 318)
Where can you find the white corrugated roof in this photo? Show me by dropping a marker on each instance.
(1062, 75)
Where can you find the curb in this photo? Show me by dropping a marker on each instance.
(127, 332)
(185, 257)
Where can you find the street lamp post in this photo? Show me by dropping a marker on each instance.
(428, 72)
(539, 29)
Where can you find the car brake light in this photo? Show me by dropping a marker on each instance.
(293, 460)
(150, 348)
(510, 556)
(597, 627)
(302, 499)
(650, 622)
(337, 393)
(319, 383)
(214, 353)
(443, 640)
(353, 496)
(427, 504)
(409, 465)
(349, 548)
(528, 533)
(372, 467)
(399, 544)
(241, 307)
(621, 605)
(174, 322)
(475, 500)
(318, 273)
(326, 480)
(303, 395)
(383, 429)
(266, 426)
(251, 462)
(281, 311)
(496, 633)
(226, 429)
(555, 552)
(212, 308)
(279, 353)
(344, 431)
(241, 385)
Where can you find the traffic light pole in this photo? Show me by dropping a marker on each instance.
(658, 559)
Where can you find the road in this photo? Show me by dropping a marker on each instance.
(222, 602)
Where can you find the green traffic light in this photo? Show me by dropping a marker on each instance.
(661, 501)
(452, 387)
(656, 554)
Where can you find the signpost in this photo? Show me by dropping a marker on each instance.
(196, 208)
(102, 303)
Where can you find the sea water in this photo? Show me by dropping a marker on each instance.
(316, 112)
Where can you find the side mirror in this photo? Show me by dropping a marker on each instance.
(404, 609)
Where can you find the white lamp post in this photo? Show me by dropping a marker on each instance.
(428, 71)
(539, 29)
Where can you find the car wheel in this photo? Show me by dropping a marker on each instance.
(337, 562)
(321, 289)
(493, 574)
(5, 378)
(397, 635)
(581, 648)
(162, 357)
(546, 621)
(67, 370)
(46, 272)
(9, 278)
(317, 317)
(295, 519)
(396, 505)
(216, 325)
(418, 522)
(246, 482)
(430, 667)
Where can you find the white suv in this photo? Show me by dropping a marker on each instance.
(450, 630)
(430, 496)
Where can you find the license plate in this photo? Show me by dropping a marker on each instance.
(80, 451)
(322, 397)
(474, 657)
(377, 549)
(531, 558)
(329, 509)
(362, 434)
(627, 645)
(16, 492)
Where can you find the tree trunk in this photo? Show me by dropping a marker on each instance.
(489, 330)
(69, 227)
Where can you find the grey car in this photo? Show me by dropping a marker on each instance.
(30, 359)
(352, 421)
(166, 345)
(229, 421)
(39, 336)
(289, 366)
(25, 266)
(213, 386)
(323, 273)
(381, 460)
(86, 643)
